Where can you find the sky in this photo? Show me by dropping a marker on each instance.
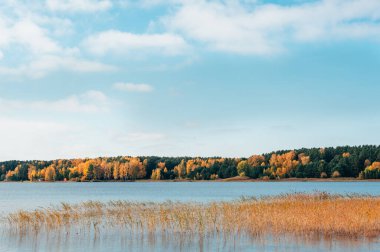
(89, 78)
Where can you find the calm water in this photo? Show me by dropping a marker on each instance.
(14, 196)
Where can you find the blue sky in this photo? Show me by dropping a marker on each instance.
(87, 78)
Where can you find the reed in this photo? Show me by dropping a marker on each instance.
(317, 214)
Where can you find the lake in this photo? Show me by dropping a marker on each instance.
(15, 196)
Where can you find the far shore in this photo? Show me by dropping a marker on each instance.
(233, 179)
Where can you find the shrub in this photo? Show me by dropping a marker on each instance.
(323, 175)
(335, 174)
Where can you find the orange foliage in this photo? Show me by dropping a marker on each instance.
(283, 163)
(256, 160)
(304, 159)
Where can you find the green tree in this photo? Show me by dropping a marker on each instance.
(243, 168)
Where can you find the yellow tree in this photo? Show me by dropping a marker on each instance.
(256, 160)
(123, 170)
(50, 173)
(107, 168)
(180, 169)
(135, 168)
(32, 173)
(243, 167)
(11, 175)
(191, 165)
(156, 174)
(304, 159)
(88, 169)
(116, 166)
(282, 164)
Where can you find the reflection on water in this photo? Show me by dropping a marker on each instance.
(16, 196)
(116, 239)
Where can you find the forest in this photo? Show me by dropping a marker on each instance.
(362, 162)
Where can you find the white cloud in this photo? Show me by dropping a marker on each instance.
(268, 28)
(89, 102)
(34, 36)
(29, 34)
(244, 27)
(154, 3)
(79, 5)
(133, 87)
(57, 26)
(117, 42)
(52, 63)
(43, 65)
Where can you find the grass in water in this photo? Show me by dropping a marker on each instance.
(317, 214)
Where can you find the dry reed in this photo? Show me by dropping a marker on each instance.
(318, 214)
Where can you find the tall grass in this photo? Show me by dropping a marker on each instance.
(317, 214)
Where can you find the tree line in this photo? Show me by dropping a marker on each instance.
(361, 162)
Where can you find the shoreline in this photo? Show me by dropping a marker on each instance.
(233, 179)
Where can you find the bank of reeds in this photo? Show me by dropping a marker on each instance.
(318, 214)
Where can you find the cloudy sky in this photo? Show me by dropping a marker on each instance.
(87, 78)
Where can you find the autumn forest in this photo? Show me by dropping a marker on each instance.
(361, 162)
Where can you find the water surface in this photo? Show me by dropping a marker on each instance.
(15, 196)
